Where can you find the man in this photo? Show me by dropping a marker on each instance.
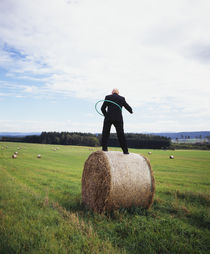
(113, 115)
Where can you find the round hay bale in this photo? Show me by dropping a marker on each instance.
(149, 153)
(171, 157)
(14, 156)
(39, 156)
(16, 153)
(112, 180)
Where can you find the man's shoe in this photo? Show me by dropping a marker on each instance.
(126, 152)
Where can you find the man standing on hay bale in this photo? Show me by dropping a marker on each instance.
(113, 115)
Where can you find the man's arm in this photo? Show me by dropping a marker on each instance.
(125, 104)
(103, 108)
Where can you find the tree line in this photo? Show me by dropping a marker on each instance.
(134, 140)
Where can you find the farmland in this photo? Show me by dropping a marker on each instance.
(41, 210)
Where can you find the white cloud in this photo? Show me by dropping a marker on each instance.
(39, 126)
(154, 51)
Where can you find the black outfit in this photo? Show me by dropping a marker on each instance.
(113, 115)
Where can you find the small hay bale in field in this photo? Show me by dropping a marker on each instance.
(149, 153)
(16, 153)
(14, 156)
(171, 157)
(112, 180)
(39, 156)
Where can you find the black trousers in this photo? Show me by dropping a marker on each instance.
(120, 134)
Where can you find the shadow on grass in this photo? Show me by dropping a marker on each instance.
(74, 204)
(175, 206)
(192, 197)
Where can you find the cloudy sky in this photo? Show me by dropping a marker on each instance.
(59, 57)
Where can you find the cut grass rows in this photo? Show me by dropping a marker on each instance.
(41, 212)
(34, 224)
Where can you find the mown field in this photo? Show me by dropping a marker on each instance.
(41, 210)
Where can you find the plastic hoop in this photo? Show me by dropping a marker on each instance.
(107, 101)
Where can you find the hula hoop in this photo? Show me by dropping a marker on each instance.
(107, 101)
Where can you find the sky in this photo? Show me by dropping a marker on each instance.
(59, 57)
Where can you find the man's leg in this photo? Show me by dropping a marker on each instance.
(105, 134)
(121, 136)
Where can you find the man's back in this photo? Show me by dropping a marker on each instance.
(114, 113)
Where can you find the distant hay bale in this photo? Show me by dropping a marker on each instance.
(16, 153)
(149, 153)
(171, 157)
(14, 156)
(112, 180)
(39, 156)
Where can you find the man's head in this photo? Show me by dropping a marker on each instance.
(115, 90)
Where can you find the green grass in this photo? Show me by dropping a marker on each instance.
(41, 212)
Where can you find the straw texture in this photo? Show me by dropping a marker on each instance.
(112, 180)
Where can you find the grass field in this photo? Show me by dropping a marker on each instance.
(41, 212)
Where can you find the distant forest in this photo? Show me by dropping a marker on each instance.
(134, 140)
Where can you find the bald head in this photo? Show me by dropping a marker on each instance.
(115, 90)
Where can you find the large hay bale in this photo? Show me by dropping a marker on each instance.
(112, 180)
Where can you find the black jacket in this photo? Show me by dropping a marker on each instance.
(114, 113)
